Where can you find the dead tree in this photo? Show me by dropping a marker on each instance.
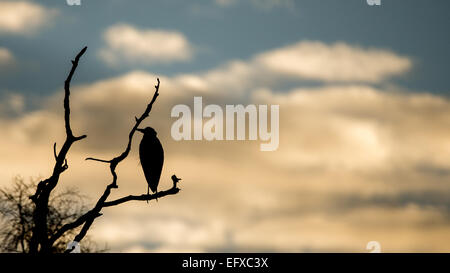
(41, 241)
(16, 217)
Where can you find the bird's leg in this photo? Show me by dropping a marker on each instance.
(148, 192)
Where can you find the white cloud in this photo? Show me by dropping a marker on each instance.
(309, 60)
(21, 17)
(338, 62)
(130, 44)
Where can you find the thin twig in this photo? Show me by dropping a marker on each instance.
(100, 160)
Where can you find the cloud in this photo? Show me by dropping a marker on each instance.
(337, 62)
(362, 127)
(349, 169)
(12, 104)
(6, 57)
(355, 164)
(306, 60)
(146, 46)
(21, 17)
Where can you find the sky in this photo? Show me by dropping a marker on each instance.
(363, 94)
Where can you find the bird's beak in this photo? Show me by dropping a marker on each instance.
(140, 130)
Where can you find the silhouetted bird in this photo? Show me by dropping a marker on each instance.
(151, 154)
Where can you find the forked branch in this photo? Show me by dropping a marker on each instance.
(45, 187)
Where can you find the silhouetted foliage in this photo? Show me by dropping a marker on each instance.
(16, 217)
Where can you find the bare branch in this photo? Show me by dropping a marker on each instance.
(79, 137)
(89, 217)
(145, 197)
(67, 93)
(81, 220)
(115, 161)
(54, 151)
(45, 187)
(100, 160)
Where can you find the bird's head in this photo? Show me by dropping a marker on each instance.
(147, 131)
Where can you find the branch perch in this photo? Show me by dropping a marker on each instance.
(87, 219)
(145, 197)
